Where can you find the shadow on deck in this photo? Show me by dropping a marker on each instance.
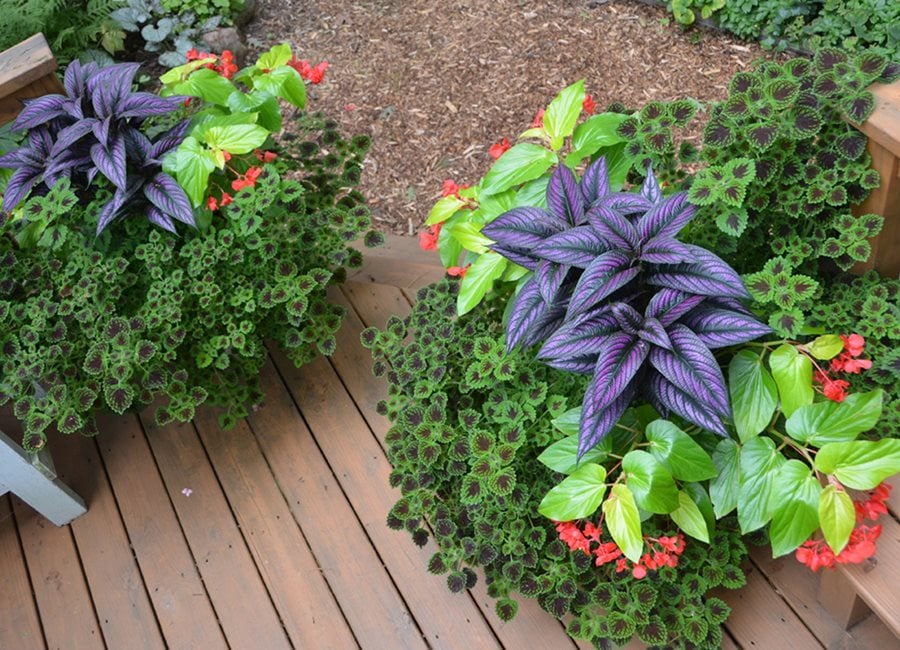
(272, 534)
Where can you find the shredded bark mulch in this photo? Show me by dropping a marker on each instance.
(437, 82)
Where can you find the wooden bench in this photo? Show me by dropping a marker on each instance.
(26, 70)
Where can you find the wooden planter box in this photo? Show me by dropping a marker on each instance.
(26, 70)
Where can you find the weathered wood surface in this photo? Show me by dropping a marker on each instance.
(282, 541)
(26, 70)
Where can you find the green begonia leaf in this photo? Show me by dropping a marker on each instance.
(522, 163)
(701, 497)
(826, 346)
(793, 375)
(724, 488)
(193, 165)
(860, 464)
(837, 517)
(689, 518)
(795, 507)
(479, 279)
(754, 395)
(277, 56)
(533, 193)
(650, 482)
(445, 208)
(562, 456)
(592, 134)
(562, 113)
(577, 496)
(825, 422)
(569, 422)
(237, 139)
(760, 462)
(624, 522)
(678, 453)
(469, 235)
(207, 84)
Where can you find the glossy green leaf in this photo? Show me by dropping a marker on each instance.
(618, 163)
(445, 208)
(194, 163)
(183, 71)
(837, 517)
(678, 452)
(760, 462)
(795, 507)
(522, 163)
(701, 497)
(569, 422)
(270, 115)
(276, 56)
(594, 133)
(754, 395)
(562, 456)
(491, 206)
(624, 522)
(562, 113)
(829, 421)
(577, 496)
(793, 375)
(208, 85)
(238, 139)
(826, 346)
(479, 280)
(449, 248)
(469, 235)
(650, 482)
(861, 464)
(689, 518)
(533, 193)
(284, 82)
(724, 488)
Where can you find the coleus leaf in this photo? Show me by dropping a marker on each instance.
(719, 328)
(577, 247)
(614, 229)
(563, 197)
(609, 272)
(708, 276)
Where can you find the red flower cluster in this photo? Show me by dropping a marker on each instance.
(452, 189)
(847, 361)
(538, 120)
(428, 238)
(214, 205)
(224, 64)
(861, 546)
(458, 271)
(499, 148)
(589, 105)
(246, 180)
(265, 156)
(663, 551)
(312, 73)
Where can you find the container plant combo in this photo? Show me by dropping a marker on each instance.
(150, 244)
(598, 410)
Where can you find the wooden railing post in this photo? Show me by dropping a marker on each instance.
(883, 131)
(26, 70)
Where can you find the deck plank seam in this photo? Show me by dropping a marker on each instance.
(34, 602)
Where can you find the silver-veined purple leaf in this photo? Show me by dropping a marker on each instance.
(654, 332)
(40, 111)
(20, 184)
(111, 210)
(666, 250)
(74, 108)
(623, 203)
(614, 229)
(109, 86)
(72, 134)
(651, 190)
(137, 146)
(169, 140)
(516, 256)
(147, 104)
(628, 318)
(161, 219)
(582, 365)
(668, 305)
(41, 140)
(608, 273)
(76, 76)
(101, 129)
(727, 303)
(544, 325)
(596, 425)
(522, 228)
(550, 277)
(21, 157)
(666, 218)
(527, 308)
(111, 161)
(708, 276)
(577, 247)
(595, 181)
(583, 335)
(666, 396)
(719, 328)
(167, 195)
(563, 198)
(617, 364)
(692, 368)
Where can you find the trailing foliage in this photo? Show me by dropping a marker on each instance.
(469, 423)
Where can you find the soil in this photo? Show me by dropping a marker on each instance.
(437, 82)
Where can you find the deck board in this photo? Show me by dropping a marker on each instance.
(282, 542)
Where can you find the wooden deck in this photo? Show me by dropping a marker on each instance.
(282, 541)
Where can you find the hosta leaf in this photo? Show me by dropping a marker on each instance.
(668, 305)
(609, 272)
(709, 276)
(624, 521)
(577, 496)
(754, 395)
(860, 464)
(564, 200)
(577, 247)
(666, 218)
(614, 229)
(759, 466)
(719, 328)
(678, 452)
(837, 517)
(795, 507)
(792, 372)
(824, 422)
(650, 482)
(523, 162)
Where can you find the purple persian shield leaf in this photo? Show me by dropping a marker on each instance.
(550, 277)
(692, 368)
(595, 181)
(617, 364)
(159, 218)
(663, 393)
(521, 229)
(719, 328)
(665, 250)
(544, 326)
(101, 129)
(109, 86)
(577, 247)
(111, 161)
(654, 332)
(167, 195)
(666, 218)
(20, 184)
(40, 111)
(169, 140)
(137, 146)
(614, 229)
(623, 203)
(72, 134)
(583, 335)
(147, 104)
(668, 305)
(609, 272)
(74, 159)
(21, 157)
(727, 303)
(111, 210)
(563, 198)
(74, 79)
(651, 190)
(596, 424)
(528, 307)
(583, 365)
(627, 317)
(41, 140)
(708, 276)
(516, 256)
